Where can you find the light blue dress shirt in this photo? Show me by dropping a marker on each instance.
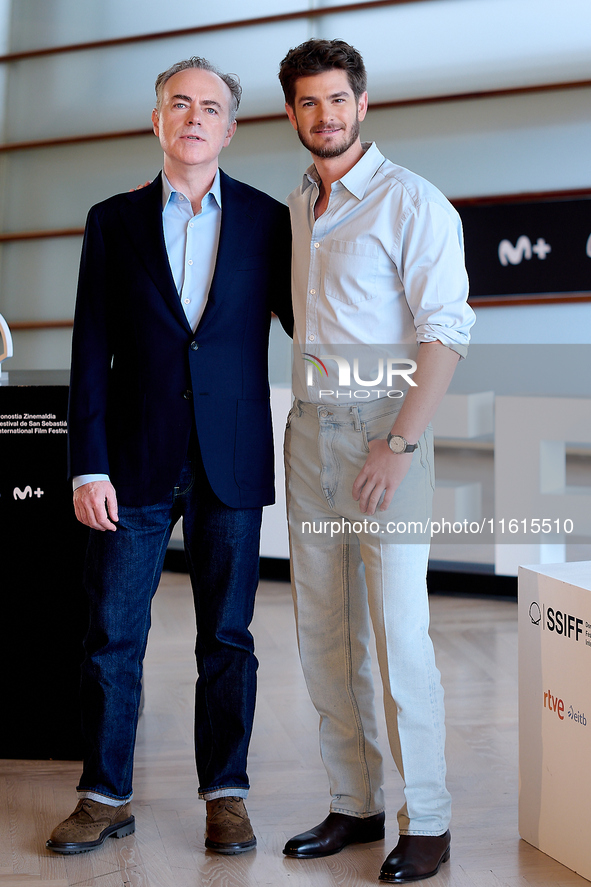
(192, 247)
(381, 270)
(192, 244)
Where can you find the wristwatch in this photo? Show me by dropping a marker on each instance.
(398, 444)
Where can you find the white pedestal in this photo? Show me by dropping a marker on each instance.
(274, 535)
(457, 501)
(465, 415)
(460, 417)
(530, 477)
(555, 711)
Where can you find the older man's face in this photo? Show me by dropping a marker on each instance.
(193, 123)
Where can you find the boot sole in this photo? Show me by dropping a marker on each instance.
(230, 849)
(117, 830)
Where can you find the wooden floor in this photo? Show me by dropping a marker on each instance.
(476, 643)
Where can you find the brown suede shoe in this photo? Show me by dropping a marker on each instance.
(228, 828)
(89, 825)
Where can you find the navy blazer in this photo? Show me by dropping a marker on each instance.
(141, 379)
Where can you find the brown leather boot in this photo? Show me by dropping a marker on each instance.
(416, 857)
(228, 828)
(89, 825)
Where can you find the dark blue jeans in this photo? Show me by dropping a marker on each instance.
(122, 573)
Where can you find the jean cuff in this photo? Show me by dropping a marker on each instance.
(224, 793)
(104, 799)
(335, 809)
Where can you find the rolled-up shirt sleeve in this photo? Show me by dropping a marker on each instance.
(432, 270)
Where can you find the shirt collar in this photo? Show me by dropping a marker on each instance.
(168, 191)
(358, 178)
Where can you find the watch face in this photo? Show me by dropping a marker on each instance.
(397, 443)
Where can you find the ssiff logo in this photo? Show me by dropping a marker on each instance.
(387, 370)
(564, 624)
(535, 613)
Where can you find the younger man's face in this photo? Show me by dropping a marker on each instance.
(326, 115)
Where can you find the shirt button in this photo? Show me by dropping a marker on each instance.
(191, 225)
(190, 262)
(187, 301)
(311, 338)
(316, 245)
(181, 197)
(312, 292)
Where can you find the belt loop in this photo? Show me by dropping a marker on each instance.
(356, 419)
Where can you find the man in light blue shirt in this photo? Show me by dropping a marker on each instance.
(380, 320)
(169, 417)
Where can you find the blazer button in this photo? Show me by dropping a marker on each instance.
(188, 395)
(194, 346)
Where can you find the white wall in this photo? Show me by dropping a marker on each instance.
(477, 147)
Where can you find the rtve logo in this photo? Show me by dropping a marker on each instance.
(552, 703)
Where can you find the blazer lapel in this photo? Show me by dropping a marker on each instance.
(142, 218)
(235, 233)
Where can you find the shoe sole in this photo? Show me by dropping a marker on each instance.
(444, 858)
(231, 849)
(117, 830)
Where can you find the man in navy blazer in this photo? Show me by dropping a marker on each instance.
(169, 417)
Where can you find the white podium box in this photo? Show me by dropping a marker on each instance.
(465, 415)
(555, 711)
